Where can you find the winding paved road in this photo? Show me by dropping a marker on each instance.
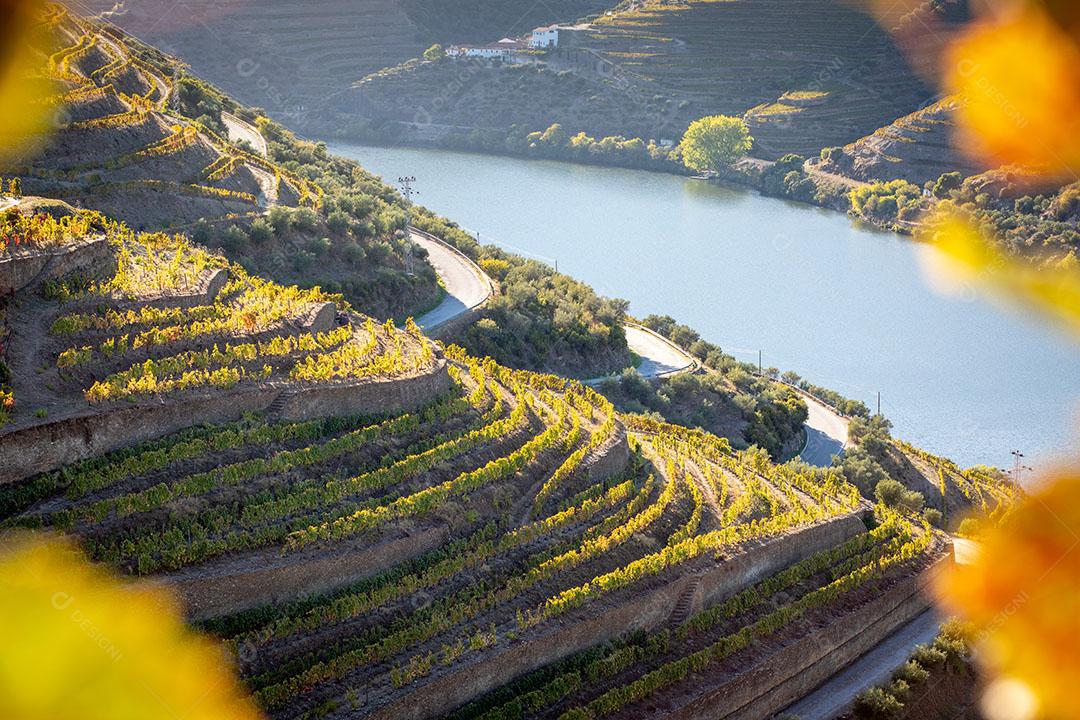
(659, 356)
(873, 668)
(826, 433)
(466, 285)
(243, 130)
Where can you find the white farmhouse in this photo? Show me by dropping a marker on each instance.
(544, 37)
(505, 48)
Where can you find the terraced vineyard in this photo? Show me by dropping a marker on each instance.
(506, 545)
(119, 148)
(113, 317)
(918, 147)
(138, 138)
(957, 491)
(376, 525)
(288, 57)
(807, 74)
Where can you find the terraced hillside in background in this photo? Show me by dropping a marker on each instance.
(379, 527)
(806, 74)
(287, 57)
(139, 139)
(918, 147)
(118, 146)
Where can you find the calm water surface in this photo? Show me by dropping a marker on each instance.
(843, 305)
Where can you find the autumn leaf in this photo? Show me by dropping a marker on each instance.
(23, 45)
(971, 254)
(1022, 594)
(1018, 83)
(79, 643)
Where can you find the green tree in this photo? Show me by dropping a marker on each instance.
(946, 183)
(714, 142)
(435, 52)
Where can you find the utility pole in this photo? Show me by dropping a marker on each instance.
(759, 371)
(1018, 466)
(407, 191)
(879, 403)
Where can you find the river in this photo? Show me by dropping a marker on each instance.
(845, 306)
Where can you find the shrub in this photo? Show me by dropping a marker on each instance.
(969, 527)
(338, 221)
(304, 219)
(912, 673)
(933, 516)
(234, 239)
(928, 656)
(877, 704)
(260, 231)
(893, 494)
(278, 218)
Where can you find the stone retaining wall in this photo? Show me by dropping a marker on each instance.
(206, 290)
(269, 577)
(797, 669)
(644, 611)
(91, 257)
(51, 445)
(240, 583)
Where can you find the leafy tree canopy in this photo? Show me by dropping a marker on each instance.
(714, 142)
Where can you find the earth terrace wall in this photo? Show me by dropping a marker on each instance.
(205, 292)
(89, 257)
(48, 446)
(259, 578)
(266, 577)
(800, 667)
(646, 611)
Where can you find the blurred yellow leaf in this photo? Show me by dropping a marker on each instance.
(23, 119)
(1023, 595)
(1052, 288)
(80, 644)
(1018, 80)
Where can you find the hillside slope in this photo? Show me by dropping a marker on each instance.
(286, 57)
(139, 139)
(805, 73)
(374, 525)
(918, 147)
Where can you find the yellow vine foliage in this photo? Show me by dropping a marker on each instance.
(80, 644)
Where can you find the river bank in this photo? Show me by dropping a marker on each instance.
(843, 304)
(767, 177)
